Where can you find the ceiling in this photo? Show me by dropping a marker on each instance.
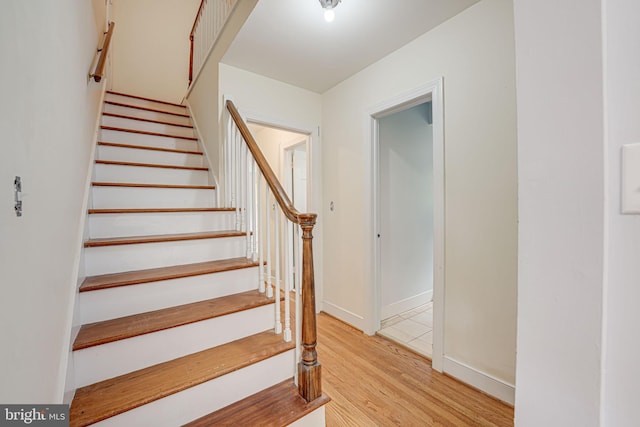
(289, 40)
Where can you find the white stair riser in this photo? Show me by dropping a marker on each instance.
(110, 360)
(120, 258)
(144, 103)
(106, 304)
(120, 122)
(123, 154)
(149, 175)
(145, 114)
(125, 197)
(148, 140)
(313, 419)
(145, 224)
(195, 402)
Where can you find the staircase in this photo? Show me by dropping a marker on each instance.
(174, 329)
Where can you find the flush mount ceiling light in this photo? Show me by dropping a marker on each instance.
(328, 5)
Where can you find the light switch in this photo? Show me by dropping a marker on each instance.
(631, 179)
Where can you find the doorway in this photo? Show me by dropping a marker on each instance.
(405, 189)
(383, 301)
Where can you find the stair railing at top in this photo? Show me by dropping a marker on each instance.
(209, 21)
(104, 51)
(250, 186)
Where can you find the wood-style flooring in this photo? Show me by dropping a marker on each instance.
(373, 382)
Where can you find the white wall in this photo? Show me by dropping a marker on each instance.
(562, 196)
(47, 117)
(406, 209)
(474, 52)
(276, 103)
(269, 140)
(621, 368)
(151, 47)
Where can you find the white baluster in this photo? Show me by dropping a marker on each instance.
(243, 183)
(249, 204)
(227, 163)
(298, 293)
(234, 174)
(256, 212)
(261, 202)
(210, 8)
(287, 281)
(268, 243)
(278, 238)
(220, 18)
(238, 178)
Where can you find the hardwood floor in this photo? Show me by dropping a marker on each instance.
(373, 382)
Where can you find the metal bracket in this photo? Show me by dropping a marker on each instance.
(17, 184)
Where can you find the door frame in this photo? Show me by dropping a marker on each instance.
(285, 179)
(431, 91)
(285, 147)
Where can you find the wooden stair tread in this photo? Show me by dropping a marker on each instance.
(146, 147)
(150, 165)
(142, 185)
(111, 397)
(132, 240)
(145, 99)
(107, 331)
(158, 210)
(121, 104)
(141, 119)
(144, 132)
(279, 405)
(113, 280)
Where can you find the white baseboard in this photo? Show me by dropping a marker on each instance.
(480, 380)
(203, 147)
(406, 304)
(67, 367)
(346, 316)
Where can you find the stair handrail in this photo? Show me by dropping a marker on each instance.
(99, 72)
(309, 369)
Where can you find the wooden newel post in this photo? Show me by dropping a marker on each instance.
(309, 372)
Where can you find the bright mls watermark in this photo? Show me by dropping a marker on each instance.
(34, 415)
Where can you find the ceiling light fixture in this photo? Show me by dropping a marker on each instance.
(328, 6)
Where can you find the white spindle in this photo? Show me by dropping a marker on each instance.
(227, 163)
(261, 202)
(243, 187)
(210, 17)
(277, 216)
(236, 177)
(256, 212)
(249, 204)
(298, 293)
(287, 281)
(268, 243)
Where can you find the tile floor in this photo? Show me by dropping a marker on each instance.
(413, 329)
